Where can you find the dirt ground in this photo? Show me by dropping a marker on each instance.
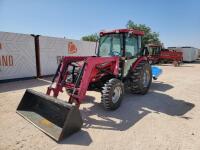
(168, 117)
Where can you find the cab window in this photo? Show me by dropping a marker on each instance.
(110, 45)
(131, 46)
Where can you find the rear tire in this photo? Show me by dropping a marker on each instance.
(139, 79)
(112, 94)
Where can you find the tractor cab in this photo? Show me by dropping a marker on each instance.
(122, 42)
(125, 43)
(152, 51)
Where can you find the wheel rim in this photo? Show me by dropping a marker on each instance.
(116, 94)
(146, 78)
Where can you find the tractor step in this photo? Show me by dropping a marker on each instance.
(56, 118)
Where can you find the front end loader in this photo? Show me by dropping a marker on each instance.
(118, 66)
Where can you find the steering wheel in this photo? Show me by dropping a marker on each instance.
(115, 53)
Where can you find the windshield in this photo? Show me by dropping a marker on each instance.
(114, 45)
(154, 50)
(110, 45)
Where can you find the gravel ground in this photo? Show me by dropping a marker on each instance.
(168, 117)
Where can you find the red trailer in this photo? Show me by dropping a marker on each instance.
(167, 56)
(156, 54)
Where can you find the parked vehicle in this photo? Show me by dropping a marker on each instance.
(118, 64)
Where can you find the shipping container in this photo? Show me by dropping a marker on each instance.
(17, 56)
(189, 53)
(52, 50)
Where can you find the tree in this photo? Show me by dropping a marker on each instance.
(149, 37)
(92, 37)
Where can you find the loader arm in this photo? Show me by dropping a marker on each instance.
(61, 74)
(90, 72)
(92, 69)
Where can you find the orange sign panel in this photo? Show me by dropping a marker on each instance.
(72, 48)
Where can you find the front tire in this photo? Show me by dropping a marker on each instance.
(112, 94)
(140, 78)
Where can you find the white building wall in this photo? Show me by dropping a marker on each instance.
(52, 49)
(17, 56)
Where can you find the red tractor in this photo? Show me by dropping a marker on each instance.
(153, 53)
(156, 54)
(118, 65)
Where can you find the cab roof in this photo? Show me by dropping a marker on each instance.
(134, 31)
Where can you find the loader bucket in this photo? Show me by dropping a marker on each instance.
(56, 118)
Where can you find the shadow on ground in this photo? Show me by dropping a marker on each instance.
(182, 65)
(79, 138)
(23, 84)
(160, 86)
(134, 108)
(195, 62)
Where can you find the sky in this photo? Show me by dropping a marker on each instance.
(177, 21)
